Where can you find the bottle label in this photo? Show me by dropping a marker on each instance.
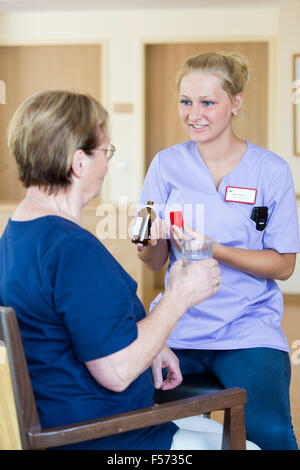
(144, 235)
(137, 226)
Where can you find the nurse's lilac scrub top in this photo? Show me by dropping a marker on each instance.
(246, 311)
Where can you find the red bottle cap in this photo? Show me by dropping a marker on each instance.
(176, 218)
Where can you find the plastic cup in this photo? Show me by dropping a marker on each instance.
(195, 250)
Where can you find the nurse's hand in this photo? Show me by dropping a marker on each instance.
(166, 359)
(188, 233)
(158, 231)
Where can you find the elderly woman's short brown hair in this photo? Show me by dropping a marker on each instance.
(47, 129)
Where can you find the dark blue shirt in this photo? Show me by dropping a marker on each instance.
(74, 303)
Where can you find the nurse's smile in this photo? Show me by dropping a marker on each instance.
(198, 127)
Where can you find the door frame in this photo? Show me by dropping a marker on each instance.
(104, 71)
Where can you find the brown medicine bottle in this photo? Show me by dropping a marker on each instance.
(141, 230)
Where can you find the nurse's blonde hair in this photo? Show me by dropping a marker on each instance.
(231, 67)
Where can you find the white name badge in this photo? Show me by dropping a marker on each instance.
(244, 195)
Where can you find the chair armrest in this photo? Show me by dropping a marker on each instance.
(230, 400)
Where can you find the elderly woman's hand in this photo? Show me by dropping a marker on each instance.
(166, 359)
(193, 283)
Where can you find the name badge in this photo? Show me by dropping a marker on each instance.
(244, 195)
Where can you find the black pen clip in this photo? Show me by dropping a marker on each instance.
(260, 217)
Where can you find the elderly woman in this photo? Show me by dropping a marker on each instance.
(87, 340)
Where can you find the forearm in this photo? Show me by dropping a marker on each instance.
(187, 286)
(153, 332)
(155, 256)
(262, 263)
(118, 370)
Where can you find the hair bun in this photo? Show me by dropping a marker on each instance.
(240, 68)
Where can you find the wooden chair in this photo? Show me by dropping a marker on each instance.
(192, 385)
(19, 422)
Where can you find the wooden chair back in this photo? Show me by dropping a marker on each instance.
(9, 429)
(17, 389)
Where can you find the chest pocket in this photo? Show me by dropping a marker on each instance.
(232, 225)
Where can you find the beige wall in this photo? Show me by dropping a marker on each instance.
(123, 35)
(288, 44)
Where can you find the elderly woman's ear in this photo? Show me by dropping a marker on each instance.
(78, 163)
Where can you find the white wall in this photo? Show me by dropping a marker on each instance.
(123, 35)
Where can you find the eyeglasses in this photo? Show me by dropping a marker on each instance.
(109, 151)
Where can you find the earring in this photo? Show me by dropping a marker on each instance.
(235, 113)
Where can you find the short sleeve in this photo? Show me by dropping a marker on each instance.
(282, 230)
(94, 300)
(154, 188)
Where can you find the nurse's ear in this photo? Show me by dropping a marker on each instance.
(237, 102)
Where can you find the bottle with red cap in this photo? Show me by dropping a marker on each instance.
(176, 218)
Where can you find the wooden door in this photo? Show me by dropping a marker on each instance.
(162, 125)
(28, 69)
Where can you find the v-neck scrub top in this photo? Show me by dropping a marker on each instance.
(247, 310)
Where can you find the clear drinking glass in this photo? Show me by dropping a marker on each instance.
(195, 250)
